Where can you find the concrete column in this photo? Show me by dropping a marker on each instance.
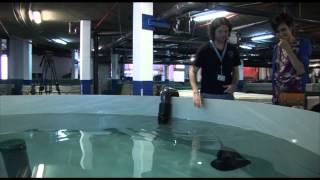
(103, 78)
(269, 73)
(115, 72)
(142, 51)
(15, 60)
(85, 57)
(171, 72)
(20, 63)
(262, 73)
(241, 80)
(27, 62)
(163, 74)
(186, 73)
(76, 64)
(166, 72)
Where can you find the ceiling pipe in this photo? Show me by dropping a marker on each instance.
(178, 41)
(182, 8)
(240, 10)
(250, 25)
(303, 20)
(176, 10)
(253, 12)
(109, 33)
(162, 50)
(249, 4)
(4, 28)
(105, 16)
(119, 41)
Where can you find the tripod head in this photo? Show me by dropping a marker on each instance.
(47, 56)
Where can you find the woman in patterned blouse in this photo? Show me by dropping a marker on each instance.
(290, 60)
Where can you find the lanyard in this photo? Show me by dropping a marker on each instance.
(218, 54)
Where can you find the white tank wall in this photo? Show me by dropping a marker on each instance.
(281, 122)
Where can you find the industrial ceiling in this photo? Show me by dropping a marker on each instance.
(112, 26)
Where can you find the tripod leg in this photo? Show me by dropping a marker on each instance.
(46, 80)
(50, 83)
(55, 78)
(42, 82)
(33, 89)
(41, 87)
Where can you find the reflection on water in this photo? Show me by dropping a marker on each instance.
(182, 149)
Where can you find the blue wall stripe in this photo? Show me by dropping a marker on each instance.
(85, 86)
(114, 86)
(27, 82)
(145, 85)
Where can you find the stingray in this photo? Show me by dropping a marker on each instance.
(228, 159)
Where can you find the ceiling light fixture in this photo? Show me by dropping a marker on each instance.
(258, 38)
(209, 15)
(30, 15)
(36, 17)
(245, 47)
(59, 41)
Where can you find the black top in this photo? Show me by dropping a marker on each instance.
(207, 59)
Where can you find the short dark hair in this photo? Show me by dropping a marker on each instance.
(216, 23)
(282, 18)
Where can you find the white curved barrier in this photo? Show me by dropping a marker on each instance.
(281, 122)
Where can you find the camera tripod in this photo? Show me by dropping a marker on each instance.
(48, 64)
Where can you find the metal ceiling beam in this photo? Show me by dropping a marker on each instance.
(105, 16)
(119, 41)
(109, 33)
(176, 10)
(303, 20)
(250, 4)
(250, 25)
(253, 12)
(182, 8)
(240, 10)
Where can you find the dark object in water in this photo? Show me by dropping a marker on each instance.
(14, 161)
(316, 108)
(228, 159)
(164, 113)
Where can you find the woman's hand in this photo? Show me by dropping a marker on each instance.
(285, 45)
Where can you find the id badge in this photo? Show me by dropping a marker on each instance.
(221, 78)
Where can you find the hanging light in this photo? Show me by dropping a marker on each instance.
(59, 41)
(36, 16)
(210, 15)
(258, 38)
